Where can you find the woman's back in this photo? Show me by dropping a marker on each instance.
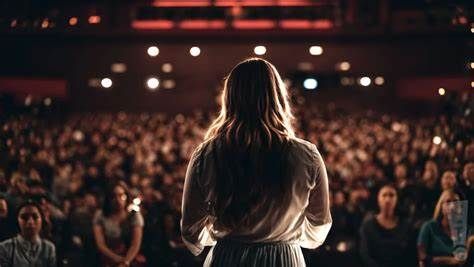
(302, 217)
(252, 187)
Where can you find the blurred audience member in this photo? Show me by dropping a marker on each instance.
(28, 248)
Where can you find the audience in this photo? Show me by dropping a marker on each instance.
(67, 163)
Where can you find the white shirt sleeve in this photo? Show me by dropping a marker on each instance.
(195, 222)
(318, 220)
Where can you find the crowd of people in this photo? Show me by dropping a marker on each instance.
(105, 189)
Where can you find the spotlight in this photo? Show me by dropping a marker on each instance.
(436, 140)
(118, 67)
(106, 82)
(153, 51)
(310, 84)
(73, 21)
(28, 100)
(315, 50)
(195, 51)
(47, 102)
(344, 66)
(167, 68)
(346, 81)
(93, 82)
(472, 84)
(365, 81)
(441, 91)
(260, 50)
(45, 24)
(94, 19)
(152, 83)
(169, 84)
(379, 80)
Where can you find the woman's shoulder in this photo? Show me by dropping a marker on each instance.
(7, 242)
(98, 217)
(429, 224)
(305, 150)
(304, 145)
(49, 247)
(136, 218)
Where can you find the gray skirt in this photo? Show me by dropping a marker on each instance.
(228, 253)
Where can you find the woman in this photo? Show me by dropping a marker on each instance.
(118, 230)
(7, 221)
(384, 237)
(28, 248)
(435, 246)
(252, 188)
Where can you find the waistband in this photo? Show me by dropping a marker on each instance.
(236, 242)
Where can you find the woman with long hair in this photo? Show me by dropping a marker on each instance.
(28, 248)
(435, 246)
(118, 230)
(384, 238)
(253, 190)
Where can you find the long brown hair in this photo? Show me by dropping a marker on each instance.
(438, 214)
(250, 136)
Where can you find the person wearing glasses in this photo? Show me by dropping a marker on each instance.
(28, 248)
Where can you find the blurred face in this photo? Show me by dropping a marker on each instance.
(468, 172)
(120, 197)
(387, 199)
(448, 180)
(90, 201)
(3, 208)
(339, 199)
(445, 205)
(29, 220)
(400, 171)
(429, 178)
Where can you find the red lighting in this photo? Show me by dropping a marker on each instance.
(254, 24)
(73, 21)
(202, 24)
(323, 24)
(296, 24)
(152, 24)
(181, 3)
(264, 3)
(94, 19)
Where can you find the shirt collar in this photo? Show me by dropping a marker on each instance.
(36, 240)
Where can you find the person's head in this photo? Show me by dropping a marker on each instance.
(448, 180)
(387, 198)
(3, 207)
(255, 105)
(117, 197)
(430, 177)
(468, 173)
(469, 152)
(339, 199)
(18, 183)
(30, 219)
(400, 171)
(445, 197)
(251, 133)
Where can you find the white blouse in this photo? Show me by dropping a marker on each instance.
(304, 218)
